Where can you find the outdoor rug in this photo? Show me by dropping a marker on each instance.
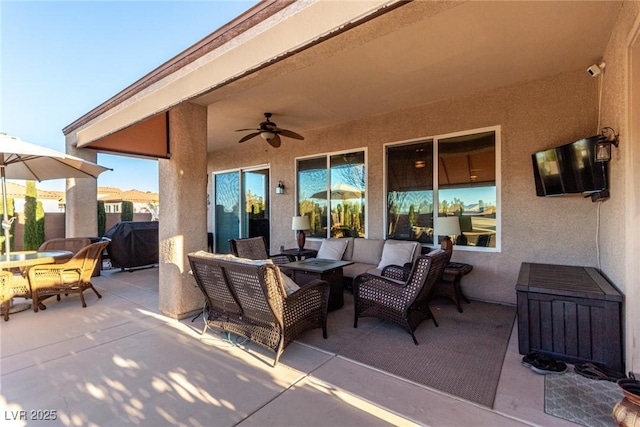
(581, 400)
(462, 357)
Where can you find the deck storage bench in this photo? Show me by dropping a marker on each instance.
(570, 313)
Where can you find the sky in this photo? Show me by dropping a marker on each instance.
(61, 59)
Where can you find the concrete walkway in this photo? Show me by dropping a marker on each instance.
(120, 362)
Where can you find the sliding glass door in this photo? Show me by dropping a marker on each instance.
(255, 215)
(241, 206)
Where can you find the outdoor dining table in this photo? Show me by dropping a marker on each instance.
(20, 259)
(30, 258)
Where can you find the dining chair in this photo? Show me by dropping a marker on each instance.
(12, 286)
(71, 244)
(73, 276)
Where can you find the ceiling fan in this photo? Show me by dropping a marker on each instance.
(270, 132)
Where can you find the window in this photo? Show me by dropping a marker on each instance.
(331, 192)
(410, 192)
(464, 185)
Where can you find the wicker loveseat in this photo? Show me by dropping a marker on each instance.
(248, 298)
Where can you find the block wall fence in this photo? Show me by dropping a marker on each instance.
(54, 225)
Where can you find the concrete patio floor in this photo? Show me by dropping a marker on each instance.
(119, 361)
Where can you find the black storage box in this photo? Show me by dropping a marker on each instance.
(133, 244)
(570, 313)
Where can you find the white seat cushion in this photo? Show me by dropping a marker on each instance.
(289, 285)
(233, 258)
(397, 253)
(332, 249)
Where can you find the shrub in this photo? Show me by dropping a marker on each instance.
(30, 238)
(102, 219)
(40, 237)
(127, 211)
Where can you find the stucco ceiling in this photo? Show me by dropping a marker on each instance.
(419, 53)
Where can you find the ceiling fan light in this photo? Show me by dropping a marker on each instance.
(267, 135)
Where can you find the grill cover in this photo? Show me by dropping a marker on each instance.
(133, 244)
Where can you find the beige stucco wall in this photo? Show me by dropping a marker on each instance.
(183, 224)
(532, 116)
(81, 219)
(620, 247)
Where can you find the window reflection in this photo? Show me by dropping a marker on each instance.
(410, 192)
(227, 201)
(465, 187)
(331, 191)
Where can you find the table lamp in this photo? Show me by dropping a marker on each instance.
(447, 226)
(299, 224)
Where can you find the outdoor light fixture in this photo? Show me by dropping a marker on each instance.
(299, 224)
(447, 226)
(607, 138)
(280, 188)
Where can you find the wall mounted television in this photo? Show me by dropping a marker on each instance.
(570, 169)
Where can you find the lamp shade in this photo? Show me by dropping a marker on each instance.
(448, 226)
(267, 135)
(300, 223)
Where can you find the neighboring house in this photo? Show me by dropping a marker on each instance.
(52, 201)
(145, 206)
(414, 104)
(143, 202)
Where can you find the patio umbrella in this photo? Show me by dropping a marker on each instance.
(22, 160)
(340, 191)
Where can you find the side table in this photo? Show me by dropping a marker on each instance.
(299, 253)
(449, 286)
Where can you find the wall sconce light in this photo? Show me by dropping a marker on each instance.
(607, 138)
(280, 188)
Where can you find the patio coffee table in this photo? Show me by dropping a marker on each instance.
(303, 272)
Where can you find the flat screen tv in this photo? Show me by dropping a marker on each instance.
(570, 169)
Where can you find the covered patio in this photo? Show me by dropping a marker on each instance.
(120, 361)
(366, 76)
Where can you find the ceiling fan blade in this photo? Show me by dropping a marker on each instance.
(244, 130)
(275, 141)
(248, 137)
(289, 134)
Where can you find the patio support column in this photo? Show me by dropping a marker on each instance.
(183, 209)
(81, 217)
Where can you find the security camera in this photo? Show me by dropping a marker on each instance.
(595, 69)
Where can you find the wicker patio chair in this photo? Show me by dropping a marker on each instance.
(73, 276)
(256, 248)
(12, 286)
(402, 302)
(248, 299)
(71, 244)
